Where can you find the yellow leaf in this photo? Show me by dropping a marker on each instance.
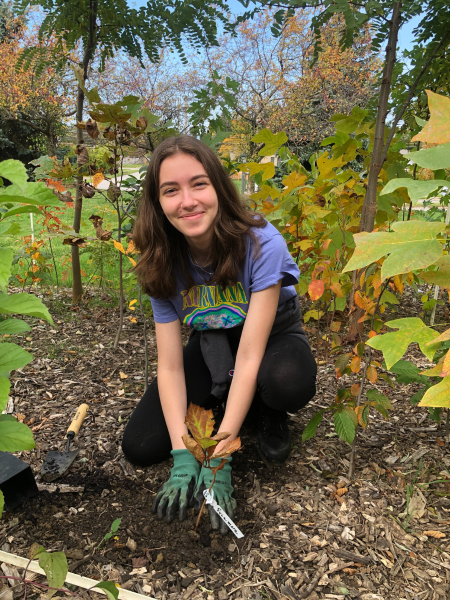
(438, 395)
(293, 180)
(132, 261)
(437, 130)
(132, 302)
(122, 375)
(118, 246)
(98, 178)
(304, 244)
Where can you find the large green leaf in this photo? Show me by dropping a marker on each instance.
(13, 357)
(24, 304)
(6, 257)
(412, 245)
(311, 427)
(55, 567)
(432, 158)
(272, 141)
(9, 228)
(36, 193)
(110, 589)
(15, 171)
(28, 208)
(345, 423)
(437, 395)
(11, 326)
(417, 190)
(5, 386)
(440, 277)
(395, 344)
(14, 436)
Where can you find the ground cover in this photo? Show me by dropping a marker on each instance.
(300, 535)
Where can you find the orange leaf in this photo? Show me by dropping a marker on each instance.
(341, 491)
(372, 334)
(335, 326)
(131, 248)
(98, 178)
(132, 261)
(434, 534)
(440, 442)
(354, 390)
(229, 448)
(355, 365)
(200, 422)
(316, 288)
(193, 447)
(372, 374)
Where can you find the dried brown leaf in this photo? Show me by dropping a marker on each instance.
(200, 422)
(229, 448)
(434, 534)
(193, 447)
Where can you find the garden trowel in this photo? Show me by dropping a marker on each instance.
(57, 463)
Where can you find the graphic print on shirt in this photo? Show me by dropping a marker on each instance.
(214, 308)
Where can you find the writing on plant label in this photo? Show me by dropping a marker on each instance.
(209, 496)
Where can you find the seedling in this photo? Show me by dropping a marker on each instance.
(200, 423)
(114, 528)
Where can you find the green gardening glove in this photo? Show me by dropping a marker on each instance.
(223, 490)
(176, 494)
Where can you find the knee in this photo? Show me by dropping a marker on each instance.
(289, 391)
(140, 451)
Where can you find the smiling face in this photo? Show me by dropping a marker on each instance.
(188, 199)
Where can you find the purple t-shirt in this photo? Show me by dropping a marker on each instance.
(207, 306)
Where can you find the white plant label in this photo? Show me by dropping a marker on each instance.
(222, 514)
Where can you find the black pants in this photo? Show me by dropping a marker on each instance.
(286, 381)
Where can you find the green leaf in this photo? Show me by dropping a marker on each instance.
(437, 395)
(272, 141)
(14, 436)
(395, 344)
(412, 245)
(110, 589)
(24, 304)
(2, 503)
(55, 567)
(5, 386)
(11, 326)
(388, 297)
(379, 398)
(15, 171)
(35, 550)
(29, 208)
(406, 372)
(267, 169)
(417, 190)
(115, 525)
(9, 228)
(6, 257)
(311, 427)
(342, 361)
(434, 158)
(217, 140)
(440, 277)
(13, 357)
(345, 423)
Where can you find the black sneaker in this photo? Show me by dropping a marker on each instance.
(274, 439)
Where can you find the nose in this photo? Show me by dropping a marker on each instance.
(188, 201)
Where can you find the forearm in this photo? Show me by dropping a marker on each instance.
(172, 393)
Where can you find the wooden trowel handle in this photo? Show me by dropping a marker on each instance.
(78, 419)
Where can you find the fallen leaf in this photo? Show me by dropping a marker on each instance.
(434, 534)
(122, 375)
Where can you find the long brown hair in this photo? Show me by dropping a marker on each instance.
(164, 249)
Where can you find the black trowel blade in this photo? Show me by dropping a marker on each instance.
(56, 463)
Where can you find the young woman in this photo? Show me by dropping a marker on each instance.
(208, 262)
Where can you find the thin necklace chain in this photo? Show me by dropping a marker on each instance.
(195, 265)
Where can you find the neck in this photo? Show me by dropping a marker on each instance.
(200, 251)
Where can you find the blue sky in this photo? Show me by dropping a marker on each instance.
(405, 40)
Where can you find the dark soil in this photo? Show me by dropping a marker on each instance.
(300, 536)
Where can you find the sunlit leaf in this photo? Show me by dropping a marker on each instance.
(434, 158)
(438, 395)
(411, 245)
(271, 141)
(437, 129)
(316, 289)
(417, 189)
(395, 344)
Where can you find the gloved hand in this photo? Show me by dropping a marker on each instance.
(176, 494)
(223, 490)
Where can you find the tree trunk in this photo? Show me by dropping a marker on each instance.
(370, 201)
(77, 286)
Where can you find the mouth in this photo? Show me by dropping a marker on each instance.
(192, 216)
